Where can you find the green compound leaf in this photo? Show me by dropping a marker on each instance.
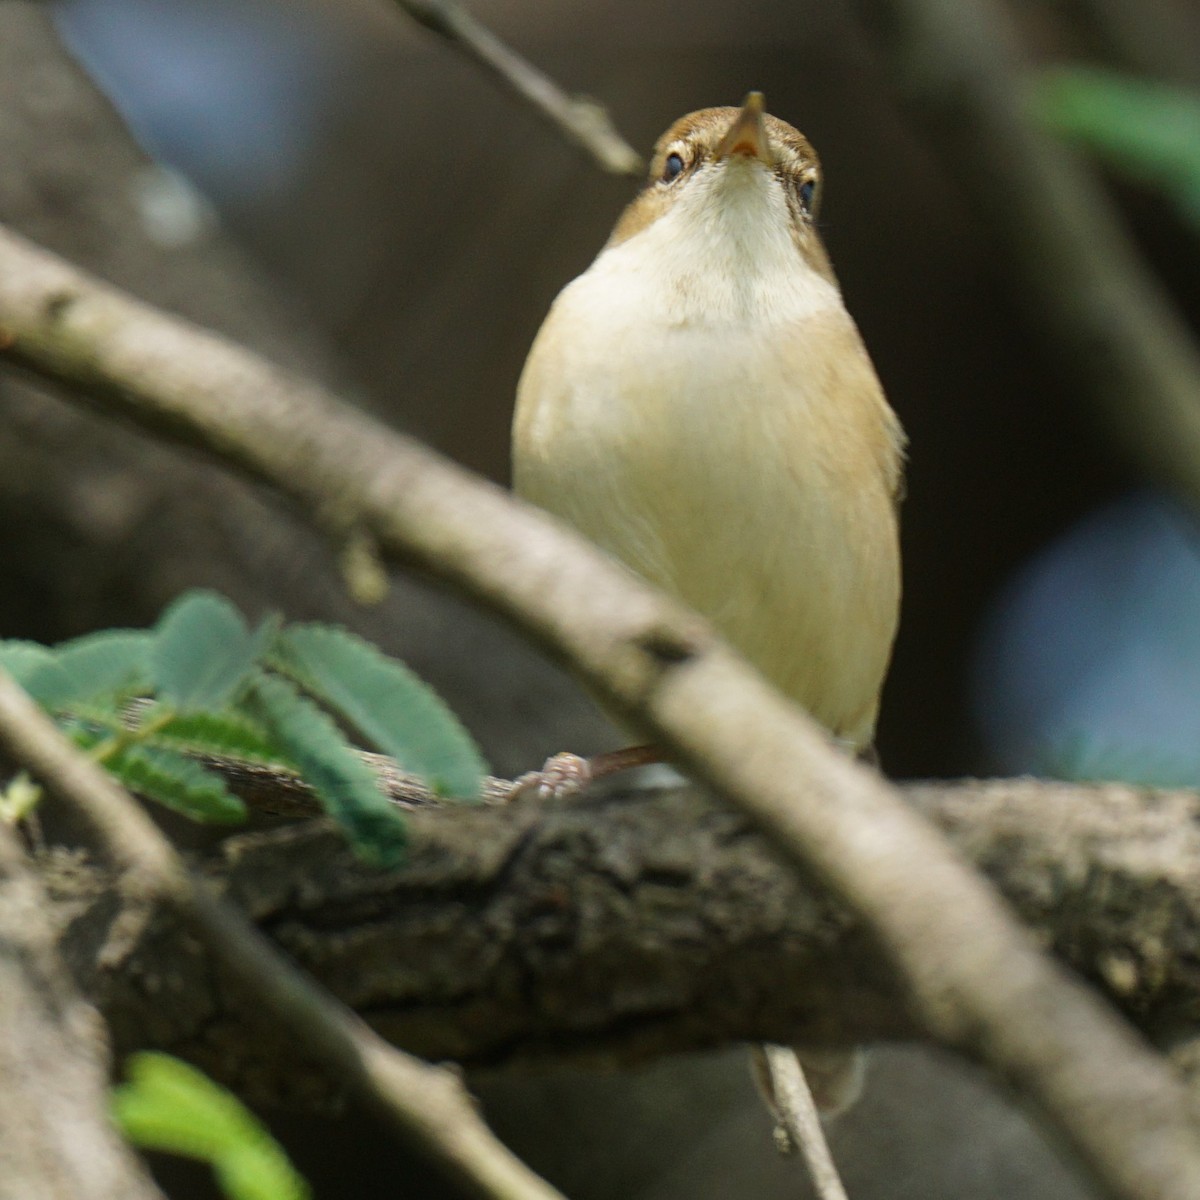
(177, 783)
(204, 652)
(344, 784)
(385, 702)
(1148, 130)
(169, 1105)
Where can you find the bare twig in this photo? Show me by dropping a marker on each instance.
(798, 1118)
(427, 1104)
(973, 978)
(581, 120)
(1080, 277)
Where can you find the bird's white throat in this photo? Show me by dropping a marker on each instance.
(722, 252)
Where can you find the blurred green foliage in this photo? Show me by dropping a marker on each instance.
(170, 1106)
(1148, 131)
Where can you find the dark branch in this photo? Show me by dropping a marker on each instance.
(619, 928)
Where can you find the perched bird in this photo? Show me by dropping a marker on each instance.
(700, 404)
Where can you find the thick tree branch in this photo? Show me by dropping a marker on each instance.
(427, 1104)
(623, 927)
(972, 977)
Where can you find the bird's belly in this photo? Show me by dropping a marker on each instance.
(741, 505)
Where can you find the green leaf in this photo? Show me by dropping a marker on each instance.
(344, 784)
(21, 659)
(175, 782)
(169, 1105)
(224, 735)
(33, 666)
(385, 702)
(204, 652)
(110, 665)
(1147, 130)
(114, 663)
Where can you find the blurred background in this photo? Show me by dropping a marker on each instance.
(333, 185)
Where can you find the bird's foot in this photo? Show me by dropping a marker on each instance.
(562, 777)
(566, 775)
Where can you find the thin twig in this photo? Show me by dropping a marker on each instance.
(581, 120)
(427, 1104)
(972, 977)
(800, 1123)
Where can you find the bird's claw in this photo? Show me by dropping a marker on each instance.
(562, 777)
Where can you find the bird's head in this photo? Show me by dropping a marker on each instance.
(733, 173)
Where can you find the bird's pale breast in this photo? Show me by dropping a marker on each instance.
(745, 462)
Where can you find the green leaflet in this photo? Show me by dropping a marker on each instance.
(203, 651)
(35, 668)
(175, 782)
(1148, 130)
(21, 659)
(114, 662)
(169, 1105)
(344, 784)
(225, 734)
(385, 702)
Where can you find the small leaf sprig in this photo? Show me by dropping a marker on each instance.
(275, 695)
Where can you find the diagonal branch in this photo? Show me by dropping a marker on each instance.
(426, 1103)
(971, 976)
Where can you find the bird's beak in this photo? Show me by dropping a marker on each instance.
(747, 135)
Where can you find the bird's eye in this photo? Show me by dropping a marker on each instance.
(808, 194)
(672, 168)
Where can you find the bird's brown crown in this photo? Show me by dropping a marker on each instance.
(697, 143)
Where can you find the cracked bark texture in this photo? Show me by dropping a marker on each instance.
(56, 1142)
(628, 926)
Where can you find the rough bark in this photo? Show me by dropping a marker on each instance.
(624, 927)
(56, 1142)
